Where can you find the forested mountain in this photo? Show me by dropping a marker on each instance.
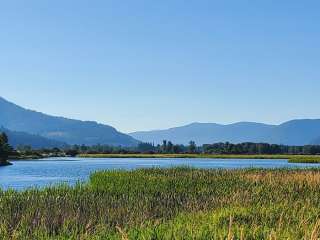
(296, 132)
(25, 139)
(61, 129)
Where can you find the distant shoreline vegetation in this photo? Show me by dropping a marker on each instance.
(170, 149)
(184, 155)
(295, 154)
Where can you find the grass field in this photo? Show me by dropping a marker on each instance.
(178, 203)
(291, 158)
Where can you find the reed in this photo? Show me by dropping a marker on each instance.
(177, 203)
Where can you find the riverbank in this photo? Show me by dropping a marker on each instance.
(25, 157)
(291, 158)
(35, 157)
(5, 163)
(218, 156)
(178, 203)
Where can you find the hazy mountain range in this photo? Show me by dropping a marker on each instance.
(27, 127)
(59, 129)
(296, 132)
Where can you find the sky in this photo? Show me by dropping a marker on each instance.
(142, 65)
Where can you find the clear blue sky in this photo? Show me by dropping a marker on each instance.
(140, 65)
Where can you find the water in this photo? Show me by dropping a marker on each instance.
(45, 172)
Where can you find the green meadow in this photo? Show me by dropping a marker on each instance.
(177, 203)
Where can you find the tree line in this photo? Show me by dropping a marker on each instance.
(259, 148)
(166, 147)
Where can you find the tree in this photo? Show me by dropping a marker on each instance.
(176, 149)
(169, 147)
(5, 148)
(72, 152)
(192, 147)
(164, 146)
(145, 147)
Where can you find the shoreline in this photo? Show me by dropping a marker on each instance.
(6, 163)
(217, 156)
(29, 157)
(291, 158)
(312, 159)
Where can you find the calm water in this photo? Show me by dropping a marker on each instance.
(25, 174)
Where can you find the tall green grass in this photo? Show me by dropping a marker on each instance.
(178, 203)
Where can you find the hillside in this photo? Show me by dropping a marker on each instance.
(296, 132)
(70, 131)
(26, 139)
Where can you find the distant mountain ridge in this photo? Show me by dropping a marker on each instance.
(316, 141)
(16, 118)
(25, 139)
(295, 132)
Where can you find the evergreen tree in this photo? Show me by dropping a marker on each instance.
(192, 147)
(5, 148)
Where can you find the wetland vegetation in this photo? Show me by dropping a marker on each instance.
(177, 203)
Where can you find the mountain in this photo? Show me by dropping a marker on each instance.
(296, 132)
(16, 118)
(26, 139)
(316, 141)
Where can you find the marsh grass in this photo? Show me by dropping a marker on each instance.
(178, 203)
(305, 159)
